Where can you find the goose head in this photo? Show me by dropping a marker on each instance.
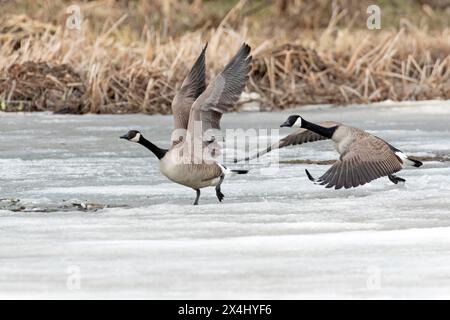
(132, 135)
(293, 121)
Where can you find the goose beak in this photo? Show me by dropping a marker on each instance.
(125, 136)
(286, 124)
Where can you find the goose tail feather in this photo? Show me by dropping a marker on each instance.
(416, 163)
(239, 171)
(407, 161)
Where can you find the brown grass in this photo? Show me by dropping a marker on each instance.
(106, 68)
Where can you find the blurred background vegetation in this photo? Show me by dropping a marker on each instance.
(174, 17)
(131, 55)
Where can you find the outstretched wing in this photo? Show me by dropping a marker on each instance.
(300, 136)
(366, 159)
(303, 135)
(193, 86)
(220, 95)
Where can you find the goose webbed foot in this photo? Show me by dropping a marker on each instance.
(395, 179)
(219, 193)
(198, 197)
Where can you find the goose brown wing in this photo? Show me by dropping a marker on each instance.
(220, 96)
(193, 86)
(366, 159)
(223, 92)
(303, 135)
(300, 136)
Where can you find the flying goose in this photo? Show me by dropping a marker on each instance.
(364, 157)
(197, 111)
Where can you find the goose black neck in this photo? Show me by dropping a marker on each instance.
(158, 152)
(325, 132)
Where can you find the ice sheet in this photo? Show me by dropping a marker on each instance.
(274, 236)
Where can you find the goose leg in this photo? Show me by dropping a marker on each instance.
(198, 197)
(395, 179)
(219, 193)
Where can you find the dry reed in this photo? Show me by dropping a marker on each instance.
(45, 66)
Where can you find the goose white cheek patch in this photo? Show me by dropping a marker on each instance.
(298, 123)
(136, 138)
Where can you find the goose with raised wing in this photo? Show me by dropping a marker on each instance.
(197, 111)
(363, 156)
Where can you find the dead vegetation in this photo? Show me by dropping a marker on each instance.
(40, 86)
(395, 65)
(16, 205)
(115, 64)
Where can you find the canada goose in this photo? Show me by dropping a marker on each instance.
(197, 110)
(364, 157)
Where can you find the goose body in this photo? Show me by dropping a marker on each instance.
(197, 110)
(363, 156)
(345, 136)
(195, 176)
